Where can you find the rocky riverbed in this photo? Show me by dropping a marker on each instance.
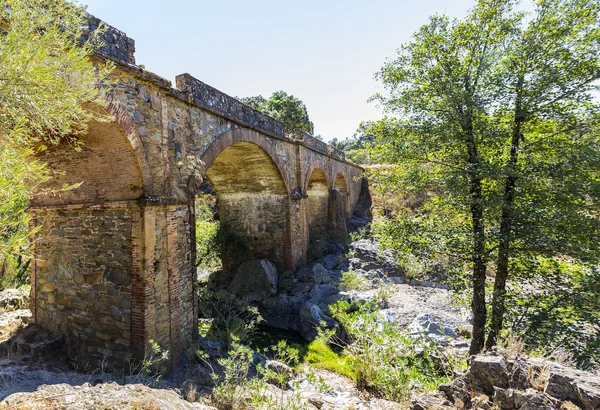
(35, 375)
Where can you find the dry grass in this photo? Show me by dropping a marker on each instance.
(538, 377)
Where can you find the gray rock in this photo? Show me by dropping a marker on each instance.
(368, 254)
(321, 292)
(489, 371)
(504, 398)
(320, 274)
(532, 400)
(434, 327)
(431, 402)
(580, 388)
(313, 274)
(343, 266)
(386, 316)
(330, 262)
(254, 280)
(311, 316)
(305, 274)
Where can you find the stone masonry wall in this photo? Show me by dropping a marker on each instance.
(262, 219)
(83, 282)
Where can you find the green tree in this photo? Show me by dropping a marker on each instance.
(46, 82)
(548, 71)
(286, 108)
(495, 115)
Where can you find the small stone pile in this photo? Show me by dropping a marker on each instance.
(494, 382)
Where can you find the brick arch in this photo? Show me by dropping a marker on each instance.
(235, 136)
(111, 165)
(123, 118)
(318, 164)
(340, 182)
(317, 190)
(254, 196)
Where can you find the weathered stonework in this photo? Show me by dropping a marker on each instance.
(114, 264)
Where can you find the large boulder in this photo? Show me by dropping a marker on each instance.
(313, 274)
(578, 387)
(369, 257)
(254, 280)
(489, 371)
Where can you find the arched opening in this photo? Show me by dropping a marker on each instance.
(104, 169)
(252, 202)
(340, 185)
(317, 190)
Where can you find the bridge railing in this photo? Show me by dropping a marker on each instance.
(319, 146)
(119, 47)
(116, 45)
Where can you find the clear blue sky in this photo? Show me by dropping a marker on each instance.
(323, 52)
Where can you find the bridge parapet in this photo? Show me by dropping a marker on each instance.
(319, 146)
(117, 46)
(205, 96)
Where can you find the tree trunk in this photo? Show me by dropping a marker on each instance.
(479, 264)
(506, 224)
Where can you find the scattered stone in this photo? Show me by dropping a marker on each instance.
(431, 402)
(105, 395)
(14, 298)
(434, 327)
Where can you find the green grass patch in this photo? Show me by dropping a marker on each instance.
(322, 356)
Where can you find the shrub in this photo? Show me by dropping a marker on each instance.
(217, 243)
(353, 281)
(230, 390)
(231, 318)
(207, 229)
(388, 361)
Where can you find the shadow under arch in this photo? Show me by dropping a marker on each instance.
(252, 193)
(340, 184)
(317, 189)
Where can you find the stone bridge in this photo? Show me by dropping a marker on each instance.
(115, 257)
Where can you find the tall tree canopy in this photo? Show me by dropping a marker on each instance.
(46, 80)
(287, 109)
(496, 115)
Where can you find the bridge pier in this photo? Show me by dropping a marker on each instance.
(112, 277)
